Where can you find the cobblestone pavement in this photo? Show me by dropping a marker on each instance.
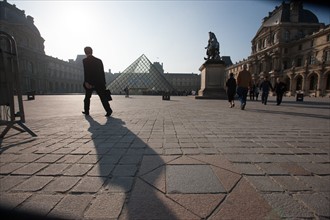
(177, 159)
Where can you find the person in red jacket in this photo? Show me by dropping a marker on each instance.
(94, 79)
(244, 82)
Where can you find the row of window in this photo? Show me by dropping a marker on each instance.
(263, 43)
(272, 39)
(64, 87)
(180, 83)
(65, 68)
(313, 83)
(45, 86)
(64, 75)
(28, 41)
(309, 60)
(182, 79)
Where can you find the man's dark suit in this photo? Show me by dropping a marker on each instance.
(94, 75)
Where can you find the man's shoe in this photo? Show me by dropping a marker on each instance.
(243, 106)
(85, 113)
(108, 114)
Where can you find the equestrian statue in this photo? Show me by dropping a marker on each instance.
(213, 48)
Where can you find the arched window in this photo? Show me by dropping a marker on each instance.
(313, 82)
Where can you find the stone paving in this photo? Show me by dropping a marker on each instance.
(177, 159)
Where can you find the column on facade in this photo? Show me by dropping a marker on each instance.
(293, 83)
(304, 84)
(321, 84)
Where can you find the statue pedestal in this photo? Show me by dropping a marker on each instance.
(213, 77)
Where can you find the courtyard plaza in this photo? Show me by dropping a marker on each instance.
(177, 159)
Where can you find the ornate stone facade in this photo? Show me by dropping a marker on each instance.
(39, 72)
(184, 83)
(291, 44)
(48, 75)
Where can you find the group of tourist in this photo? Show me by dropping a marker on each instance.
(244, 84)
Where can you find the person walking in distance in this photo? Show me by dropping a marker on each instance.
(280, 89)
(94, 79)
(251, 91)
(244, 82)
(265, 86)
(231, 90)
(256, 91)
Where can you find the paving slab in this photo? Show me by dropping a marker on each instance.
(179, 159)
(192, 179)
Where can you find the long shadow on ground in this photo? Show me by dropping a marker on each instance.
(120, 153)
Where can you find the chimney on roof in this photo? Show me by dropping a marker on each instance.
(30, 19)
(295, 7)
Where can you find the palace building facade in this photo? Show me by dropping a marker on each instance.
(38, 72)
(291, 45)
(48, 75)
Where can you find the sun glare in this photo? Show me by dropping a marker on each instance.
(75, 18)
(73, 28)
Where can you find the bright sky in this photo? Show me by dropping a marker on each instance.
(174, 33)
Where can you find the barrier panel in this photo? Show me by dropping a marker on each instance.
(10, 114)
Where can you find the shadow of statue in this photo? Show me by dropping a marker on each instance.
(120, 154)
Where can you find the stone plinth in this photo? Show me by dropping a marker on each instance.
(212, 80)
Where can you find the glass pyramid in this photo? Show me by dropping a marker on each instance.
(141, 78)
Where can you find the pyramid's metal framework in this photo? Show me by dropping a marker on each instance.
(141, 77)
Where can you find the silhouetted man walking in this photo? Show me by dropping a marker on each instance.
(94, 80)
